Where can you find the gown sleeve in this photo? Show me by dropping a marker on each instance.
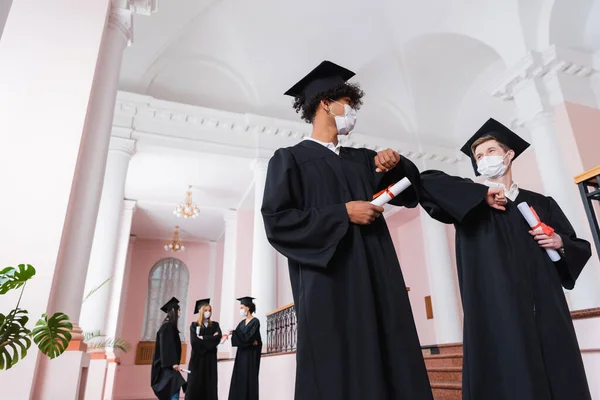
(404, 169)
(245, 337)
(308, 236)
(449, 199)
(577, 251)
(168, 348)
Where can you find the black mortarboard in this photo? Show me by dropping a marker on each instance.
(325, 76)
(246, 300)
(501, 133)
(173, 303)
(199, 304)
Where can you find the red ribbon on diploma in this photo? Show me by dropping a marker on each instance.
(386, 190)
(548, 230)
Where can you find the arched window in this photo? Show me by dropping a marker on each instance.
(168, 278)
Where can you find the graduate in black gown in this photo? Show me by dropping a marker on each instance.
(165, 378)
(356, 334)
(246, 337)
(205, 336)
(519, 340)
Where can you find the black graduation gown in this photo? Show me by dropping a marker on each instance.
(356, 334)
(244, 380)
(202, 380)
(164, 379)
(519, 340)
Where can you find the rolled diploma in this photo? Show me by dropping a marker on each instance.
(396, 189)
(187, 371)
(532, 221)
(197, 330)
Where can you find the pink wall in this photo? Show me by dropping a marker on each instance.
(133, 381)
(579, 134)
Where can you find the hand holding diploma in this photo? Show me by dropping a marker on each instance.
(546, 238)
(385, 196)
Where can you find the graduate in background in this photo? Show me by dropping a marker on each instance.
(356, 334)
(166, 380)
(246, 337)
(519, 340)
(205, 335)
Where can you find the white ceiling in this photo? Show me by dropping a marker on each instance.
(425, 67)
(158, 178)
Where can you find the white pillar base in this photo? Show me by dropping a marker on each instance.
(73, 368)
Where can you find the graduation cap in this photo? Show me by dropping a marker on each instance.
(246, 300)
(199, 304)
(173, 303)
(325, 76)
(499, 132)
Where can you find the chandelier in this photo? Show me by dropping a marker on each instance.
(175, 244)
(187, 209)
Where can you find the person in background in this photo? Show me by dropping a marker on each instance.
(519, 340)
(205, 335)
(357, 337)
(165, 378)
(246, 337)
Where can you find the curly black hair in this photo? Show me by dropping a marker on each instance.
(309, 110)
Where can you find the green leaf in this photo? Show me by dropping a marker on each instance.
(13, 278)
(14, 338)
(94, 290)
(52, 335)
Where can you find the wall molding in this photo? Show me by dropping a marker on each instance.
(171, 124)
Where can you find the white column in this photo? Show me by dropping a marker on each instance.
(227, 318)
(212, 270)
(95, 310)
(68, 290)
(441, 275)
(264, 261)
(560, 186)
(117, 299)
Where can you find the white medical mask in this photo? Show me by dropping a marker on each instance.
(207, 314)
(345, 123)
(243, 312)
(492, 167)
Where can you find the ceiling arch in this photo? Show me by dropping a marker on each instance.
(441, 69)
(573, 23)
(214, 83)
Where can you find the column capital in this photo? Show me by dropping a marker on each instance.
(143, 7)
(129, 205)
(121, 20)
(122, 145)
(543, 65)
(230, 215)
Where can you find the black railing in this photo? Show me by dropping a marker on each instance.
(282, 330)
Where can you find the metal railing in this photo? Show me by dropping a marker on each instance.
(282, 330)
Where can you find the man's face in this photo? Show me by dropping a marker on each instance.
(489, 148)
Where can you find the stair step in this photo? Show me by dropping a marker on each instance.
(445, 374)
(444, 360)
(446, 391)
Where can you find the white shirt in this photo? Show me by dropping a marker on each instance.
(330, 146)
(511, 193)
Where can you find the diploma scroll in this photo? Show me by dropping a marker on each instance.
(385, 196)
(534, 223)
(197, 330)
(187, 371)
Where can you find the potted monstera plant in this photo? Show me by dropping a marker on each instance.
(51, 334)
